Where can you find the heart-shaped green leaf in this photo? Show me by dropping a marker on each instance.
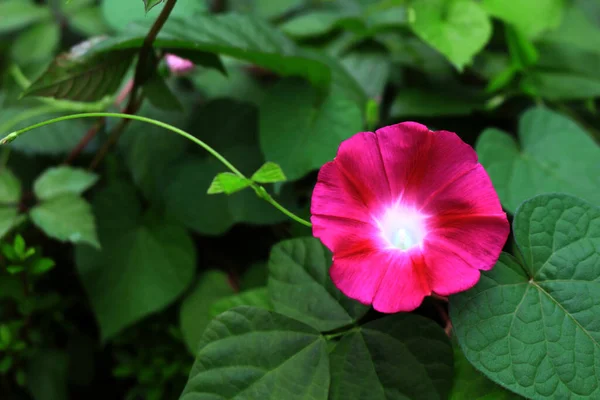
(300, 287)
(402, 356)
(555, 155)
(458, 29)
(305, 139)
(533, 327)
(144, 265)
(254, 354)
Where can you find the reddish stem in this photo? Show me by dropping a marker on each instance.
(445, 318)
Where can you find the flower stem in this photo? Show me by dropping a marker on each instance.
(260, 191)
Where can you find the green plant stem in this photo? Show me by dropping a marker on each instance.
(139, 78)
(25, 115)
(260, 191)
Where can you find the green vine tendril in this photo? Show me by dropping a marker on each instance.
(260, 190)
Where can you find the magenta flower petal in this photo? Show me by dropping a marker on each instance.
(407, 212)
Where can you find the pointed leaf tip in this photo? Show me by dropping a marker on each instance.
(150, 4)
(228, 183)
(269, 173)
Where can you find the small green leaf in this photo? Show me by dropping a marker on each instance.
(67, 218)
(149, 4)
(194, 314)
(555, 155)
(5, 334)
(228, 183)
(269, 172)
(458, 29)
(15, 269)
(300, 286)
(6, 363)
(42, 266)
(187, 189)
(522, 321)
(62, 180)
(10, 187)
(402, 356)
(256, 354)
(19, 246)
(254, 298)
(303, 140)
(82, 79)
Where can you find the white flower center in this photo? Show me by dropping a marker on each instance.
(402, 228)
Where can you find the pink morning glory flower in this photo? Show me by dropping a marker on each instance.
(178, 65)
(407, 212)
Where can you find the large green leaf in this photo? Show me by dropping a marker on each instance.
(533, 327)
(397, 357)
(15, 14)
(303, 131)
(470, 384)
(61, 180)
(67, 218)
(531, 17)
(82, 79)
(253, 354)
(300, 287)
(458, 29)
(144, 265)
(239, 36)
(555, 155)
(194, 314)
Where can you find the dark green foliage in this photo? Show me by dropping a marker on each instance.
(114, 278)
